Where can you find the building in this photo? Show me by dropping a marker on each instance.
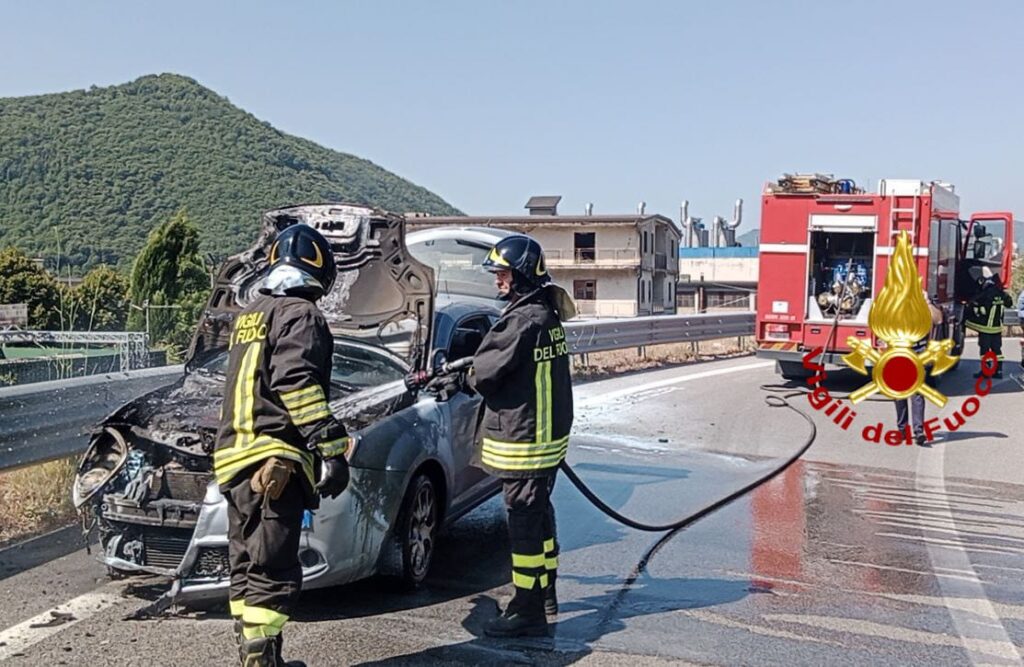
(614, 265)
(723, 278)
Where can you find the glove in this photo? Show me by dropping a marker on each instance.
(333, 477)
(271, 478)
(416, 380)
(446, 386)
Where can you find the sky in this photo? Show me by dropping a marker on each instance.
(487, 103)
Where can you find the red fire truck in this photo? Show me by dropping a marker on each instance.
(825, 249)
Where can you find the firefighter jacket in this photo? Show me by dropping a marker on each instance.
(521, 370)
(275, 396)
(985, 312)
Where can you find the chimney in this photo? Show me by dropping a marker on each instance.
(640, 207)
(543, 204)
(590, 208)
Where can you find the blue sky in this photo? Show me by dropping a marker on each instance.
(486, 103)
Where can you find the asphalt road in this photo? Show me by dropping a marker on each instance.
(860, 554)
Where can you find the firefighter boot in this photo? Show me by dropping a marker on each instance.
(239, 639)
(265, 652)
(524, 617)
(550, 597)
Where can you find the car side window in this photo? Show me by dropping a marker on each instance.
(468, 335)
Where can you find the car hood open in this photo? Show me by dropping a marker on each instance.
(382, 296)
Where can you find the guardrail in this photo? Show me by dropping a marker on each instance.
(43, 421)
(601, 335)
(50, 420)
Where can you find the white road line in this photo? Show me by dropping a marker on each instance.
(608, 396)
(965, 598)
(17, 638)
(980, 649)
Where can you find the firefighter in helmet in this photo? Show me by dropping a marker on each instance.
(521, 370)
(985, 315)
(276, 432)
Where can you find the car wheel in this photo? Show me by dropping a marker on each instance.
(415, 534)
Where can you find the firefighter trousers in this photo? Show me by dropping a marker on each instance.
(915, 416)
(992, 342)
(263, 552)
(531, 529)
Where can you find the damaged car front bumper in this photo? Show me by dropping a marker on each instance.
(339, 543)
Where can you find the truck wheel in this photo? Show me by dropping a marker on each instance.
(412, 544)
(792, 370)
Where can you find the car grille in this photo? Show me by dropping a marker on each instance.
(211, 562)
(183, 485)
(165, 547)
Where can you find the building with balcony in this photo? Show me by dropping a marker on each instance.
(614, 265)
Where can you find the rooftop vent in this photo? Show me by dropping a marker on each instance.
(543, 204)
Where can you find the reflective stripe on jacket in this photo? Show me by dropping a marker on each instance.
(985, 314)
(522, 371)
(275, 396)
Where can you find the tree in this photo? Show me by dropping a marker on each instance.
(100, 301)
(168, 276)
(23, 281)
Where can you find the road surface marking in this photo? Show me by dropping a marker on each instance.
(964, 598)
(605, 397)
(990, 648)
(16, 639)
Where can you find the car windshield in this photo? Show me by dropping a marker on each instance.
(458, 266)
(354, 367)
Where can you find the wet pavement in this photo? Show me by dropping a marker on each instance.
(914, 558)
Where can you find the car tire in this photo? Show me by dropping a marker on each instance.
(412, 543)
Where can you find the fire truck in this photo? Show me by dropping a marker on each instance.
(825, 249)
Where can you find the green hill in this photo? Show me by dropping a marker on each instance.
(97, 169)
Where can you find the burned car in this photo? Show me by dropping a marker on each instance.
(146, 482)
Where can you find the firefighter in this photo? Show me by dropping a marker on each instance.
(275, 426)
(1020, 320)
(521, 370)
(915, 415)
(985, 315)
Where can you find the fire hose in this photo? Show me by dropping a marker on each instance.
(463, 364)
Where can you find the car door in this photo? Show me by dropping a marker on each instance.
(465, 409)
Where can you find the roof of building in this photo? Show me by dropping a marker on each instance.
(537, 220)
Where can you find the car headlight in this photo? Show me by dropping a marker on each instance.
(106, 455)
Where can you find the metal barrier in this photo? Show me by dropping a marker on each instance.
(50, 420)
(43, 421)
(601, 335)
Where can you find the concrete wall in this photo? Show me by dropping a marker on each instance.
(725, 265)
(616, 291)
(720, 270)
